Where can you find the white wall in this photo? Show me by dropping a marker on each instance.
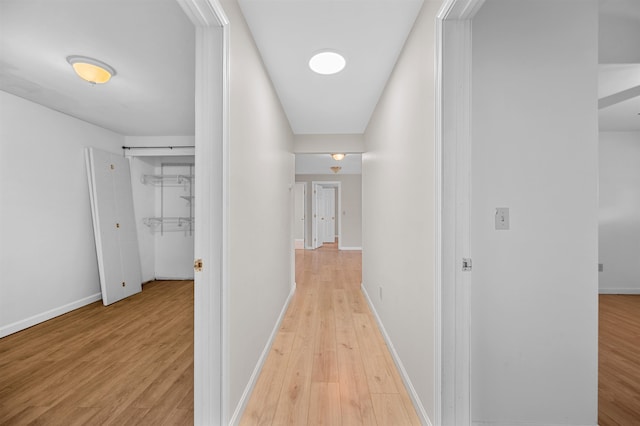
(619, 231)
(311, 144)
(174, 245)
(48, 260)
(164, 255)
(155, 141)
(261, 197)
(144, 205)
(351, 215)
(398, 185)
(613, 29)
(534, 312)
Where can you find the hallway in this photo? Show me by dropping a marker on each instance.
(329, 363)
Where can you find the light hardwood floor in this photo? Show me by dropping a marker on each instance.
(619, 361)
(128, 363)
(132, 362)
(329, 364)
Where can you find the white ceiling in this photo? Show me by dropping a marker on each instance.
(320, 164)
(150, 43)
(369, 33)
(619, 71)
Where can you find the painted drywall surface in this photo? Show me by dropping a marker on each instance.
(261, 206)
(174, 245)
(619, 230)
(165, 252)
(613, 29)
(47, 248)
(398, 208)
(144, 200)
(535, 150)
(311, 144)
(351, 214)
(161, 141)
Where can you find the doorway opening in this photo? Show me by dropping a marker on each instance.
(325, 221)
(332, 204)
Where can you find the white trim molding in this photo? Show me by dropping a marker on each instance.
(453, 194)
(422, 413)
(619, 291)
(45, 316)
(211, 372)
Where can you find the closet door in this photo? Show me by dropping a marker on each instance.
(114, 225)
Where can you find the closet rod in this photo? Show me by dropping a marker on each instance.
(158, 147)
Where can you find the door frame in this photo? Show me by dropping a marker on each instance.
(211, 377)
(304, 213)
(453, 202)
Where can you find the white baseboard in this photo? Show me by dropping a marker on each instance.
(298, 244)
(619, 291)
(165, 278)
(37, 319)
(349, 248)
(237, 414)
(501, 423)
(422, 413)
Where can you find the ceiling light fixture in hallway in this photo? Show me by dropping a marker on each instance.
(327, 62)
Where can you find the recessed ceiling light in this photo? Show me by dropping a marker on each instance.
(327, 62)
(91, 70)
(338, 157)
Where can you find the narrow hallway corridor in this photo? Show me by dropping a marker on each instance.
(329, 363)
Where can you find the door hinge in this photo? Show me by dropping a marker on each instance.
(466, 264)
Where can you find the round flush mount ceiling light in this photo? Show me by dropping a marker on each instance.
(91, 70)
(327, 62)
(338, 157)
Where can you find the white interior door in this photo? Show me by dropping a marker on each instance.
(329, 215)
(114, 225)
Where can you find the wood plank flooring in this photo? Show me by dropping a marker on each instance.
(329, 364)
(127, 363)
(619, 361)
(132, 362)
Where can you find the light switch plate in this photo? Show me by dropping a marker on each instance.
(502, 218)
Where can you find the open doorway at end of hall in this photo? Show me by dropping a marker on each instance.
(325, 222)
(317, 220)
